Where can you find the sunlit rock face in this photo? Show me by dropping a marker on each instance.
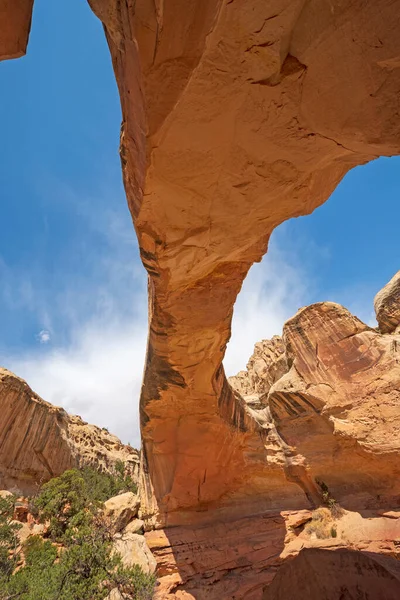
(328, 397)
(236, 116)
(339, 404)
(15, 24)
(39, 441)
(387, 305)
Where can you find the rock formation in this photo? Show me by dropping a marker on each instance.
(267, 364)
(339, 404)
(328, 396)
(39, 441)
(387, 305)
(314, 574)
(15, 24)
(236, 116)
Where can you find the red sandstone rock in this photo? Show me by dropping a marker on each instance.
(339, 405)
(387, 305)
(39, 441)
(236, 116)
(15, 24)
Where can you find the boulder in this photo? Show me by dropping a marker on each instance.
(135, 526)
(134, 550)
(5, 494)
(121, 509)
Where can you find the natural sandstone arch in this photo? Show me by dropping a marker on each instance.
(236, 116)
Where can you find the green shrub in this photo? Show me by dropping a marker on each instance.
(8, 537)
(64, 497)
(82, 566)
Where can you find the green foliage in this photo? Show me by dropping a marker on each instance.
(8, 537)
(82, 565)
(64, 497)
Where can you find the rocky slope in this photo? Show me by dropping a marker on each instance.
(39, 441)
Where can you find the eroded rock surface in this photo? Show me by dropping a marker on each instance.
(39, 441)
(387, 305)
(341, 574)
(236, 116)
(266, 365)
(339, 405)
(332, 421)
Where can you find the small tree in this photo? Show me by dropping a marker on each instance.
(8, 537)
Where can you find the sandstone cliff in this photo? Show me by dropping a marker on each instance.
(331, 387)
(39, 441)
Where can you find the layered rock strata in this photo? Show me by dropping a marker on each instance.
(39, 441)
(339, 404)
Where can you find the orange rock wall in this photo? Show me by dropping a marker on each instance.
(39, 441)
(236, 116)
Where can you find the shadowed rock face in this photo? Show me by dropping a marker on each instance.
(39, 441)
(15, 23)
(236, 116)
(340, 575)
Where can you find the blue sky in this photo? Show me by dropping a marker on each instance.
(73, 300)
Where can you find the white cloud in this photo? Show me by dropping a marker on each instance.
(272, 292)
(94, 314)
(43, 336)
(98, 376)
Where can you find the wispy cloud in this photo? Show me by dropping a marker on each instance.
(272, 292)
(89, 351)
(98, 376)
(44, 336)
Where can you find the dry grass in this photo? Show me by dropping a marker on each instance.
(320, 524)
